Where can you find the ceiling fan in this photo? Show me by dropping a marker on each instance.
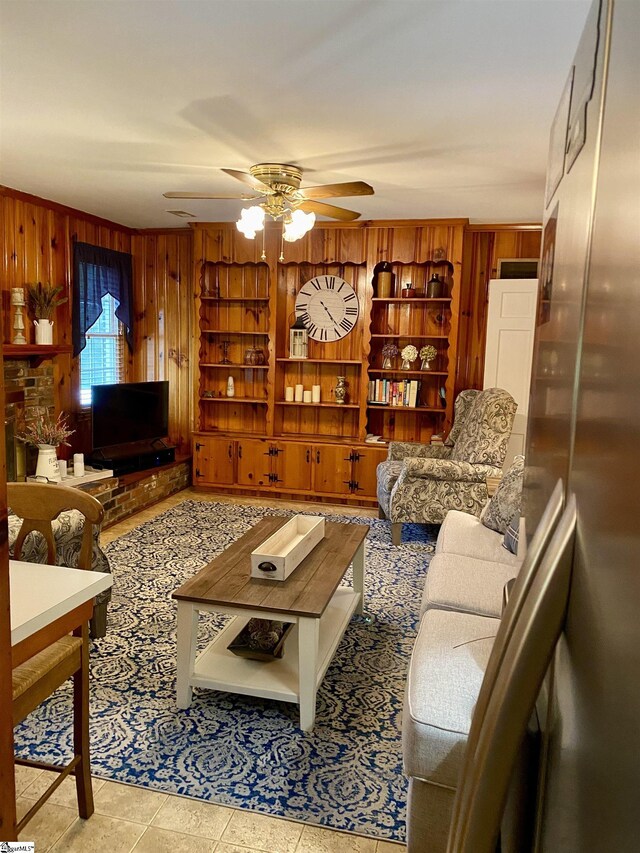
(279, 186)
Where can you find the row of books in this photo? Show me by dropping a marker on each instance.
(387, 392)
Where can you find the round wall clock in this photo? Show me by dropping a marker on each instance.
(328, 307)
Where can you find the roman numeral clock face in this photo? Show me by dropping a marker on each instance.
(328, 307)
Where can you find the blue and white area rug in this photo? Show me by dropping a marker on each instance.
(236, 750)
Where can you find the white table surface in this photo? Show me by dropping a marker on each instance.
(40, 594)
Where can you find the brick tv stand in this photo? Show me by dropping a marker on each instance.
(124, 495)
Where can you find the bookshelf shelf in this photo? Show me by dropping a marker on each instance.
(400, 372)
(234, 366)
(318, 405)
(262, 402)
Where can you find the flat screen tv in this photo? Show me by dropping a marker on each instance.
(128, 412)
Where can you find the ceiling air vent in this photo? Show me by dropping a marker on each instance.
(182, 213)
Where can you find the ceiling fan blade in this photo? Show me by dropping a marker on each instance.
(331, 210)
(246, 178)
(337, 190)
(244, 196)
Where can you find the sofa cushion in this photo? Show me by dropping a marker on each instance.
(447, 666)
(464, 534)
(466, 585)
(508, 498)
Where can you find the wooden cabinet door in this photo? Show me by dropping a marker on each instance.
(331, 469)
(292, 465)
(214, 461)
(366, 461)
(254, 462)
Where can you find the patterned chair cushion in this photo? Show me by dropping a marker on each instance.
(486, 430)
(461, 408)
(388, 473)
(67, 529)
(507, 499)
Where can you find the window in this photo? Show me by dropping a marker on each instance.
(102, 314)
(102, 360)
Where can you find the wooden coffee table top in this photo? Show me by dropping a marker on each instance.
(306, 592)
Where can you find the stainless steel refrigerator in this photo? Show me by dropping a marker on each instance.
(584, 426)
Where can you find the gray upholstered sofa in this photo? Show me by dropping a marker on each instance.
(461, 606)
(67, 529)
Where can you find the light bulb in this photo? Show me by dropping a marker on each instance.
(298, 225)
(251, 220)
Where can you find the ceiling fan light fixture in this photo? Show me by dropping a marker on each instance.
(297, 225)
(251, 220)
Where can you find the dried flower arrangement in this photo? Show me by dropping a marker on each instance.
(428, 352)
(45, 298)
(389, 350)
(46, 431)
(409, 353)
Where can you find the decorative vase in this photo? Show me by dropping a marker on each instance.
(435, 287)
(383, 280)
(406, 364)
(44, 331)
(47, 465)
(387, 363)
(426, 364)
(231, 388)
(341, 390)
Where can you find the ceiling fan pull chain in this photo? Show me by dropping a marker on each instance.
(263, 256)
(281, 258)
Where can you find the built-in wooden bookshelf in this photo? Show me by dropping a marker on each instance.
(317, 449)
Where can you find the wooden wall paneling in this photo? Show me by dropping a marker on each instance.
(327, 243)
(163, 306)
(37, 246)
(483, 246)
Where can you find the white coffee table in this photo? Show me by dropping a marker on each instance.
(311, 598)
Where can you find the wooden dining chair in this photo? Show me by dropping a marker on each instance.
(41, 674)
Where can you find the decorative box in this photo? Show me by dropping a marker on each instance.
(284, 550)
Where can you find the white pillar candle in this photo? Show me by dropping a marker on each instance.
(62, 467)
(78, 464)
(288, 393)
(315, 394)
(299, 393)
(306, 397)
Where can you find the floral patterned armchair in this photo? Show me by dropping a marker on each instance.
(421, 483)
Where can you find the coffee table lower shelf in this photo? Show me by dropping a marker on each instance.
(296, 676)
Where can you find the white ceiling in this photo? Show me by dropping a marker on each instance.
(444, 107)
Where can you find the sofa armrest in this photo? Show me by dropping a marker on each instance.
(445, 469)
(399, 450)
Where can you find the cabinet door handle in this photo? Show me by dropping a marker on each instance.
(308, 455)
(239, 451)
(318, 457)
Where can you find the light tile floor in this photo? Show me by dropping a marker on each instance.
(136, 820)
